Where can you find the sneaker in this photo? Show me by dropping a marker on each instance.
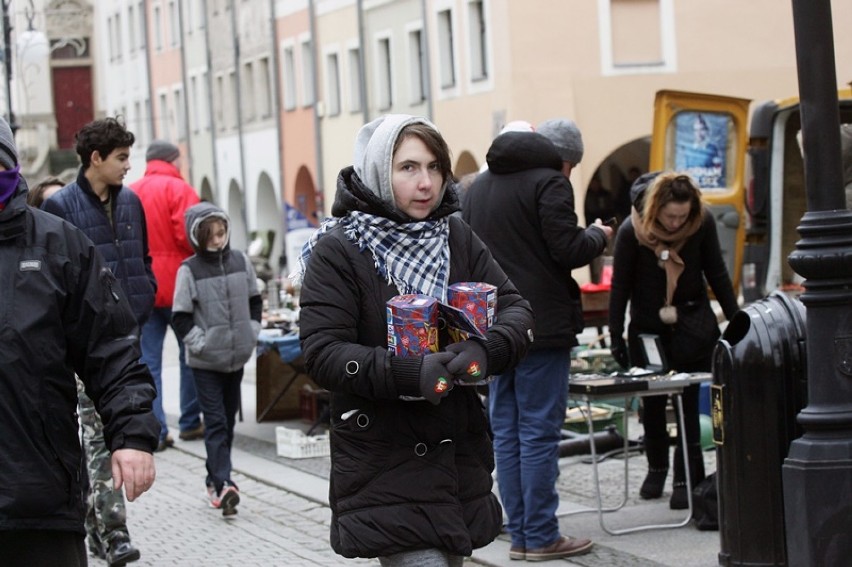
(517, 553)
(226, 500)
(562, 547)
(192, 434)
(121, 551)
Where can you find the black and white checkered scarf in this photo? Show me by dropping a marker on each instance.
(415, 256)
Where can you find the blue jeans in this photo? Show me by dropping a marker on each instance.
(153, 336)
(219, 395)
(527, 408)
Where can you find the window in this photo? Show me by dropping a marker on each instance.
(140, 21)
(111, 38)
(232, 105)
(194, 99)
(164, 116)
(180, 115)
(138, 121)
(174, 24)
(476, 36)
(131, 25)
(158, 30)
(289, 77)
(118, 37)
(355, 103)
(445, 49)
(332, 85)
(308, 73)
(383, 73)
(249, 94)
(219, 102)
(416, 66)
(203, 102)
(623, 51)
(264, 93)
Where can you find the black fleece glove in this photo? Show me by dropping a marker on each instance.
(435, 378)
(471, 364)
(618, 348)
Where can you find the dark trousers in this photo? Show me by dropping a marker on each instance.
(42, 548)
(219, 396)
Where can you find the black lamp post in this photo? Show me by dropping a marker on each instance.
(817, 473)
(7, 63)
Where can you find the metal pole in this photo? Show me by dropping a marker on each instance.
(817, 474)
(7, 61)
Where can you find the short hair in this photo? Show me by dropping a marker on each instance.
(35, 196)
(433, 141)
(668, 188)
(103, 136)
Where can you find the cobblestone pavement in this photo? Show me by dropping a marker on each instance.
(173, 525)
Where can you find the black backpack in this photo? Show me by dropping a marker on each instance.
(705, 504)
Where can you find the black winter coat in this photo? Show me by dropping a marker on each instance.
(405, 475)
(523, 209)
(123, 243)
(63, 313)
(637, 278)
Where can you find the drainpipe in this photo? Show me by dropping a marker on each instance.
(186, 93)
(427, 61)
(211, 117)
(362, 62)
(317, 120)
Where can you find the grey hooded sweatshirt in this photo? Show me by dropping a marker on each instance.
(217, 306)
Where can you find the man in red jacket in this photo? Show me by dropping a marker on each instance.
(165, 197)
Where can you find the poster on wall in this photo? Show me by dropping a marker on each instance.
(701, 147)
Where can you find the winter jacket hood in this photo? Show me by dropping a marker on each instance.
(197, 214)
(374, 152)
(512, 152)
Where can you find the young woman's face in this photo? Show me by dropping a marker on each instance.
(672, 215)
(218, 236)
(416, 178)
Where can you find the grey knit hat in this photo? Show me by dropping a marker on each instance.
(8, 147)
(566, 136)
(162, 150)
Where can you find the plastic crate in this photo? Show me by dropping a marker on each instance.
(294, 444)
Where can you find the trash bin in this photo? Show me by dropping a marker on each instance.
(759, 387)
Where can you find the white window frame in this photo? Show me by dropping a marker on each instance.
(415, 46)
(383, 64)
(289, 86)
(668, 42)
(353, 71)
(482, 50)
(333, 106)
(308, 68)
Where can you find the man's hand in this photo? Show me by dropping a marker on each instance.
(134, 470)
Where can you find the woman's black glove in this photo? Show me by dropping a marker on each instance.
(618, 348)
(471, 364)
(435, 378)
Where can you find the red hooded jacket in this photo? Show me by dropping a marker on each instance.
(165, 197)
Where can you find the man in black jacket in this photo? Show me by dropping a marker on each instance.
(63, 313)
(523, 209)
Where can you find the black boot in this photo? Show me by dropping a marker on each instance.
(695, 457)
(657, 453)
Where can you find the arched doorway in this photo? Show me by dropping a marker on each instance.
(269, 218)
(305, 196)
(207, 191)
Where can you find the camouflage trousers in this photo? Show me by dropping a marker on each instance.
(105, 516)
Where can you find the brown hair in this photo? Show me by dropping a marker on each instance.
(668, 188)
(205, 229)
(35, 197)
(434, 142)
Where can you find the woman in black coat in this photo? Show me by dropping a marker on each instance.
(665, 255)
(411, 454)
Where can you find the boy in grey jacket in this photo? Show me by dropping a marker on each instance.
(216, 312)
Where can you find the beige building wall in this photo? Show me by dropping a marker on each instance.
(337, 29)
